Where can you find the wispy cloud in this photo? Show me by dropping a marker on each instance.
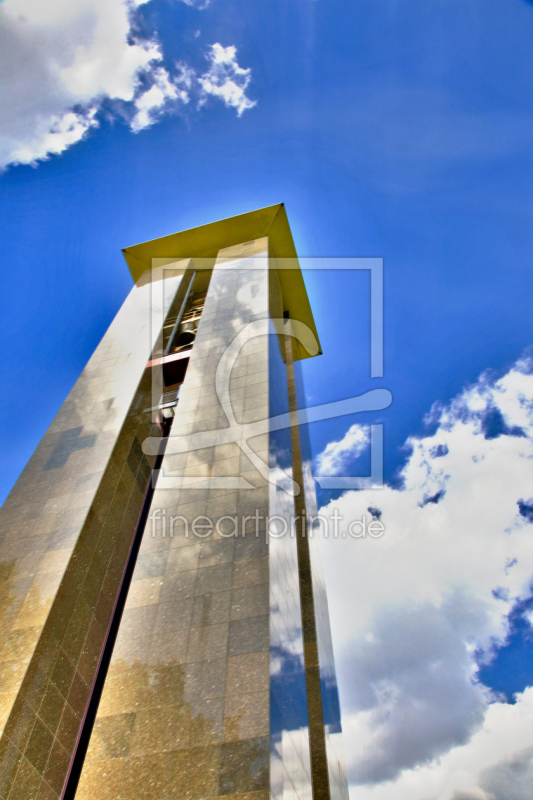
(201, 4)
(337, 454)
(63, 60)
(430, 600)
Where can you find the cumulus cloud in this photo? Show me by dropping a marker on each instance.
(495, 764)
(511, 778)
(430, 600)
(150, 103)
(62, 60)
(226, 80)
(337, 454)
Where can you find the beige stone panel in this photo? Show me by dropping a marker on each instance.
(122, 691)
(250, 571)
(195, 773)
(252, 601)
(247, 673)
(143, 593)
(208, 642)
(246, 716)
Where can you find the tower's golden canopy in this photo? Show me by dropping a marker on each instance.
(206, 241)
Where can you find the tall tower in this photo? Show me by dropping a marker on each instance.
(164, 625)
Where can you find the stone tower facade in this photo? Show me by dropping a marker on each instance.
(164, 626)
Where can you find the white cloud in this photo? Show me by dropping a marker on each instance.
(201, 4)
(432, 595)
(226, 80)
(337, 454)
(496, 764)
(61, 60)
(152, 102)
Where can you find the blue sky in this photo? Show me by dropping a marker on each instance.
(394, 128)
